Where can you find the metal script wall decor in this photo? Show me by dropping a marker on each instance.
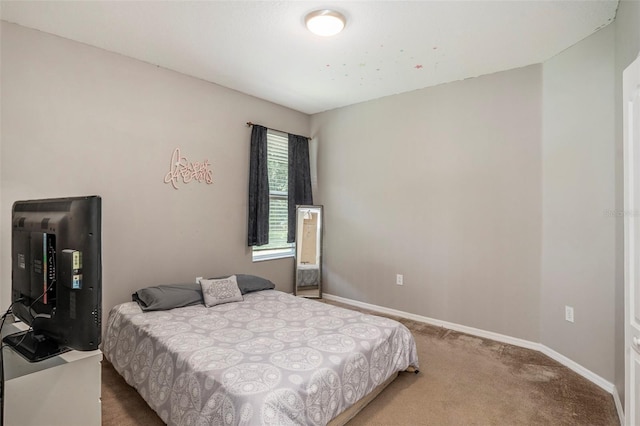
(181, 169)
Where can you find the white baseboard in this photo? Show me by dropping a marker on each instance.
(451, 326)
(619, 409)
(584, 372)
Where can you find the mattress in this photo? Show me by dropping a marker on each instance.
(272, 359)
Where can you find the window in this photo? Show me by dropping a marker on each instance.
(278, 168)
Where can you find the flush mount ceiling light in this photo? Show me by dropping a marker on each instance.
(325, 22)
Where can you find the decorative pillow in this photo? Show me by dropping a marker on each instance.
(250, 283)
(224, 290)
(168, 296)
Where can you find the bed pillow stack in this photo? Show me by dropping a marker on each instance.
(169, 296)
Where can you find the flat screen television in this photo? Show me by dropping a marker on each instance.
(56, 275)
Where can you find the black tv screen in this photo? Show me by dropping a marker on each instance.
(56, 276)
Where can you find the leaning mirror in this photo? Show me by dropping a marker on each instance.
(308, 271)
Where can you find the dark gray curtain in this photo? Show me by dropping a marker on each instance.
(299, 179)
(258, 226)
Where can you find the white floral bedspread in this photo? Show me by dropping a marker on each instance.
(271, 359)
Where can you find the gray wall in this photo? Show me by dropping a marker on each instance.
(442, 185)
(77, 120)
(578, 186)
(627, 27)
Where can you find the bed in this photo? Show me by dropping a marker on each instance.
(272, 359)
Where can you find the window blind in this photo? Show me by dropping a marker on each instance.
(277, 165)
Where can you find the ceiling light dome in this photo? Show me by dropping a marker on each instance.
(325, 22)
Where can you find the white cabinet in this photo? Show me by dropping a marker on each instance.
(63, 390)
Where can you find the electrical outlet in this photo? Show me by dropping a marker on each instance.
(198, 280)
(399, 279)
(568, 313)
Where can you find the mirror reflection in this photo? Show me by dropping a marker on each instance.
(308, 282)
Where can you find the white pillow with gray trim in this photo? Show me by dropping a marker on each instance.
(222, 290)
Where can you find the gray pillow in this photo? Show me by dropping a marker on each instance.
(169, 296)
(223, 290)
(251, 283)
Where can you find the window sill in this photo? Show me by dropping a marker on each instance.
(273, 255)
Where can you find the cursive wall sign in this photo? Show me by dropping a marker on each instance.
(181, 169)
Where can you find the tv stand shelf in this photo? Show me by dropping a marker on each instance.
(62, 390)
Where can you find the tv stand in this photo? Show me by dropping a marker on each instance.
(34, 347)
(61, 390)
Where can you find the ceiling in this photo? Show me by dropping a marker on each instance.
(262, 48)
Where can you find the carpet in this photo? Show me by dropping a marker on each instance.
(463, 380)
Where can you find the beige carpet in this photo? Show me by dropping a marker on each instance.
(463, 380)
